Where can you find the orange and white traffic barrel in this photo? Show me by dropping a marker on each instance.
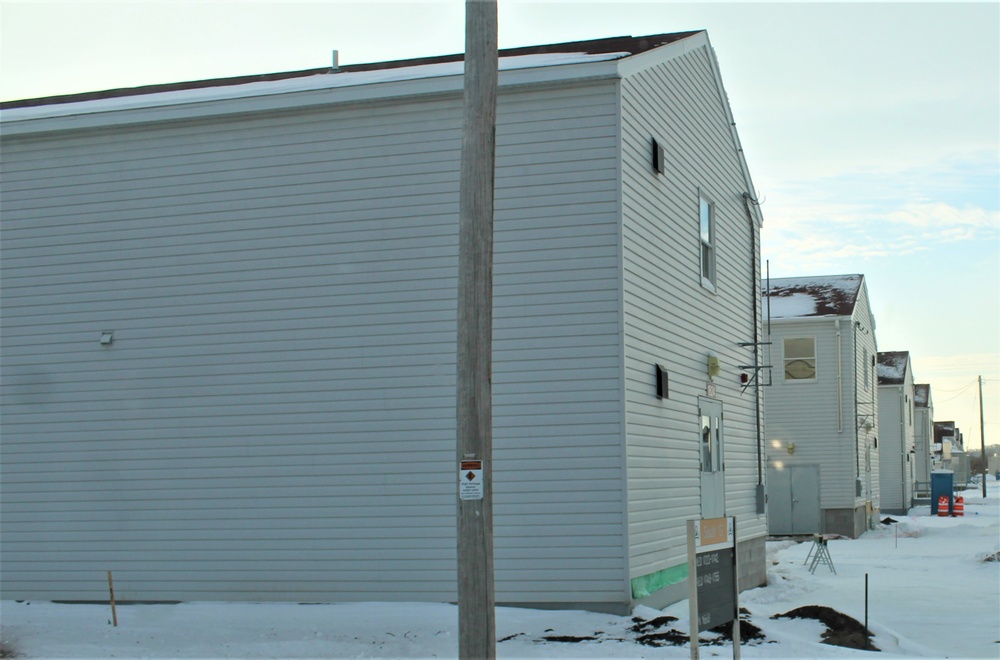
(959, 508)
(943, 506)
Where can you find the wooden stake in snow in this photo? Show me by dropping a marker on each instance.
(111, 589)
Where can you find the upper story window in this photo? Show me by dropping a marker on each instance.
(800, 358)
(706, 212)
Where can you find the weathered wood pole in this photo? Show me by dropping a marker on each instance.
(476, 599)
(982, 436)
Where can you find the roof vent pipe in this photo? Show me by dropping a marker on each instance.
(335, 61)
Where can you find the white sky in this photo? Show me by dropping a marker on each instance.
(872, 131)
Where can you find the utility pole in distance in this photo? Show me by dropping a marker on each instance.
(474, 409)
(982, 436)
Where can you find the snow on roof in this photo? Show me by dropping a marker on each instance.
(944, 430)
(892, 367)
(579, 52)
(921, 395)
(826, 295)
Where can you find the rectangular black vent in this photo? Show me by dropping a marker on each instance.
(662, 382)
(658, 157)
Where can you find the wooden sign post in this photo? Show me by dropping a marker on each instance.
(713, 578)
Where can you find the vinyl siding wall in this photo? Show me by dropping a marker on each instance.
(275, 417)
(670, 318)
(896, 428)
(890, 442)
(866, 414)
(808, 413)
(923, 439)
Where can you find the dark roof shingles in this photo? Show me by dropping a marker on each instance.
(892, 367)
(831, 300)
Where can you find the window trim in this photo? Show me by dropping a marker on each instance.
(711, 246)
(785, 359)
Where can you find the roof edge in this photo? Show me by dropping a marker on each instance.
(629, 44)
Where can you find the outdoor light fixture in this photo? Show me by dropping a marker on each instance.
(713, 366)
(107, 337)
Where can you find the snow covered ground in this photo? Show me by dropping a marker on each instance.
(932, 594)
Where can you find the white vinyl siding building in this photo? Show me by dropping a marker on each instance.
(276, 261)
(923, 440)
(897, 462)
(821, 421)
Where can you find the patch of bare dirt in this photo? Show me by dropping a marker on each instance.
(673, 637)
(642, 625)
(842, 630)
(748, 632)
(568, 639)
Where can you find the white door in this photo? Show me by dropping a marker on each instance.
(713, 479)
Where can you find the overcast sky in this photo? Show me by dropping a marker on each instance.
(872, 131)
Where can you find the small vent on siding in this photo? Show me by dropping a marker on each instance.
(662, 382)
(658, 157)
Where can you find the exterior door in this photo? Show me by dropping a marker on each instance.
(713, 477)
(793, 500)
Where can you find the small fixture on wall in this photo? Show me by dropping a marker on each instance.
(713, 366)
(790, 447)
(744, 379)
(107, 337)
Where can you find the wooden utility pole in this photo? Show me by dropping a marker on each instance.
(474, 409)
(982, 436)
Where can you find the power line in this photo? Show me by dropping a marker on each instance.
(960, 392)
(965, 387)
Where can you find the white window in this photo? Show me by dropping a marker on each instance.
(800, 358)
(711, 440)
(706, 212)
